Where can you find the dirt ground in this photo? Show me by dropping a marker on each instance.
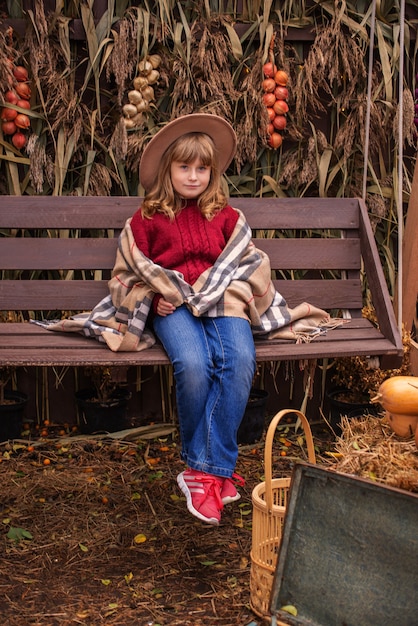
(96, 531)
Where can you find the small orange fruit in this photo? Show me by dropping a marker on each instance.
(269, 69)
(269, 99)
(281, 78)
(47, 462)
(268, 85)
(280, 107)
(275, 140)
(279, 122)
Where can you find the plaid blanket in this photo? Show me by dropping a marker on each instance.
(238, 284)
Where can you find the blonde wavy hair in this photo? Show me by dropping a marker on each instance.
(162, 197)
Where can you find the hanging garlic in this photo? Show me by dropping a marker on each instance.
(152, 77)
(135, 96)
(129, 122)
(155, 60)
(144, 67)
(142, 93)
(129, 110)
(142, 106)
(148, 93)
(137, 119)
(140, 82)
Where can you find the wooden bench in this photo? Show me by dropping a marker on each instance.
(51, 249)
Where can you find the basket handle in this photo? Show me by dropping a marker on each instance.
(269, 445)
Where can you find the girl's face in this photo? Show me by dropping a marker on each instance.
(190, 180)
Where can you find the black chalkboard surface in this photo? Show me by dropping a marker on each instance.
(349, 553)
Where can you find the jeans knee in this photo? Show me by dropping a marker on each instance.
(191, 369)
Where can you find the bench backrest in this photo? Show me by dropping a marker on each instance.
(321, 242)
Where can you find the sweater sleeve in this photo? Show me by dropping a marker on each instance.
(140, 232)
(141, 236)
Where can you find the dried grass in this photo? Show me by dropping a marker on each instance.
(100, 180)
(207, 79)
(41, 166)
(309, 154)
(408, 113)
(136, 144)
(378, 208)
(370, 449)
(119, 141)
(124, 57)
(7, 53)
(251, 126)
(334, 66)
(49, 63)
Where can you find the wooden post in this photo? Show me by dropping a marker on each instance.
(410, 271)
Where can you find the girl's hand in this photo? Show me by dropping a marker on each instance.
(164, 308)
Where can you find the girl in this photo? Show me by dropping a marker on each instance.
(183, 226)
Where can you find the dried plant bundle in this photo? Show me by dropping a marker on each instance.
(370, 449)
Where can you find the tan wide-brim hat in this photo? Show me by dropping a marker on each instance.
(220, 131)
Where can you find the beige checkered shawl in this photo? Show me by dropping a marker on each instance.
(238, 285)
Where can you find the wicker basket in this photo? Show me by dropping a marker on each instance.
(269, 501)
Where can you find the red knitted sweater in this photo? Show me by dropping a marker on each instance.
(189, 244)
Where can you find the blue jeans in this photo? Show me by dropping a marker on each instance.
(214, 364)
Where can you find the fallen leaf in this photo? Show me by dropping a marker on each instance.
(156, 475)
(289, 608)
(153, 460)
(18, 534)
(157, 593)
(335, 455)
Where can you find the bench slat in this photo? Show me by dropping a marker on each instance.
(22, 341)
(303, 254)
(72, 254)
(83, 295)
(91, 212)
(12, 333)
(71, 356)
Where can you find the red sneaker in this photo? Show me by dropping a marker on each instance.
(203, 495)
(229, 491)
